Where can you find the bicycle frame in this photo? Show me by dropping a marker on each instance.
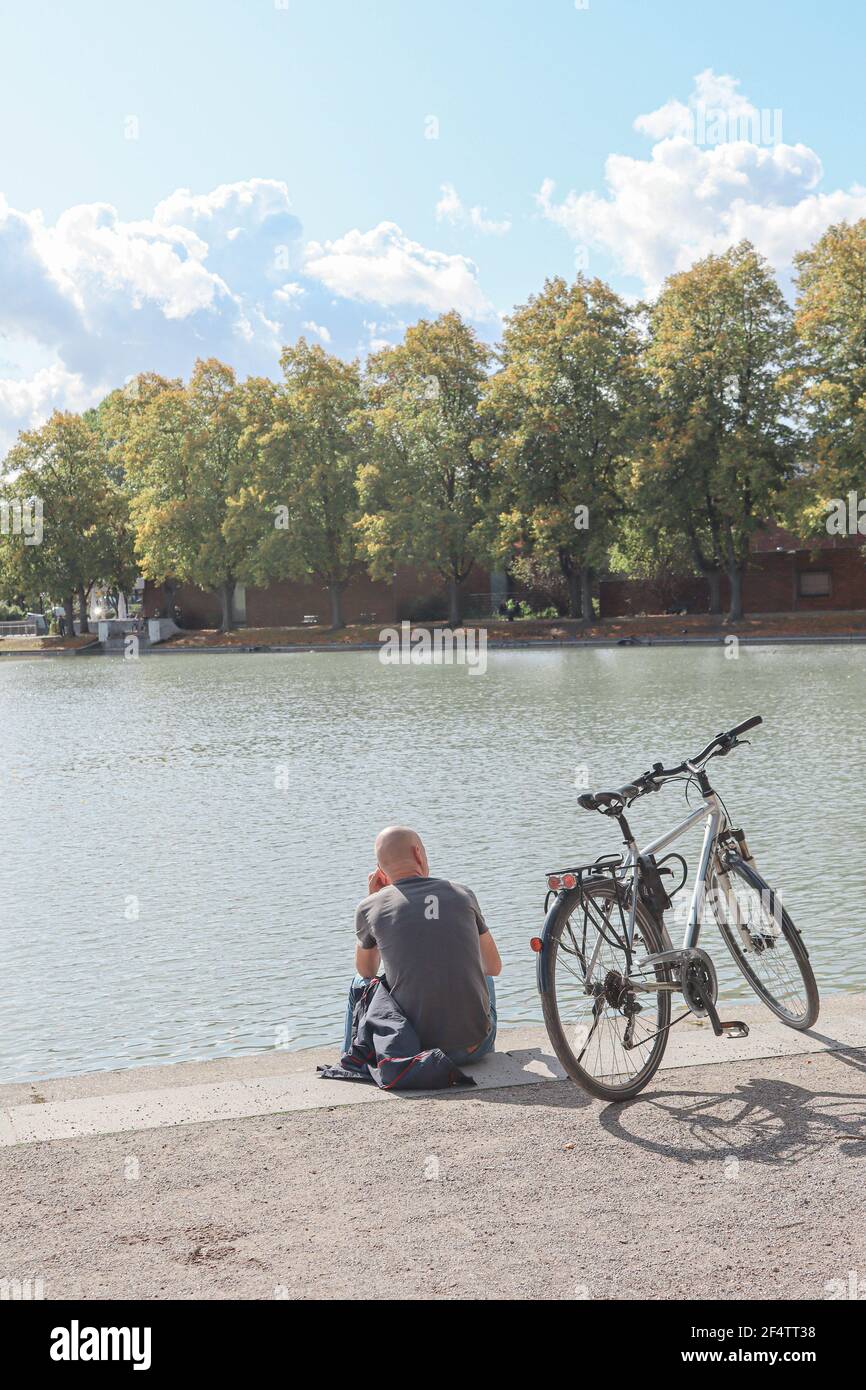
(713, 815)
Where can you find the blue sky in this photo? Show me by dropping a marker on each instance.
(212, 176)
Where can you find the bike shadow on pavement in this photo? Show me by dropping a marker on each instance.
(765, 1119)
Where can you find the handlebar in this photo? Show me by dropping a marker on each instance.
(730, 737)
(611, 803)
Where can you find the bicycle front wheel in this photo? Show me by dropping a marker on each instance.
(766, 945)
(609, 1036)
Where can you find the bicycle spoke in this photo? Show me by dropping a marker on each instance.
(769, 960)
(595, 1023)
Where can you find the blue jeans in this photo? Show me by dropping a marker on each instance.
(460, 1059)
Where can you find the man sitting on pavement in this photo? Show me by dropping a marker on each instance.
(428, 938)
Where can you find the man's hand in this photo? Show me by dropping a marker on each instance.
(376, 880)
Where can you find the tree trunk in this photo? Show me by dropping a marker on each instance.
(586, 609)
(574, 609)
(169, 589)
(337, 619)
(714, 580)
(735, 574)
(69, 611)
(82, 609)
(227, 593)
(454, 617)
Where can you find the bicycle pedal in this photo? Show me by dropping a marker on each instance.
(735, 1029)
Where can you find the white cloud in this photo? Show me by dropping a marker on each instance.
(703, 188)
(50, 388)
(712, 93)
(383, 266)
(289, 293)
(93, 299)
(450, 208)
(318, 330)
(228, 210)
(91, 251)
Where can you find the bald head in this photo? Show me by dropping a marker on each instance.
(400, 853)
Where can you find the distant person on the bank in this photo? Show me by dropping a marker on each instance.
(428, 938)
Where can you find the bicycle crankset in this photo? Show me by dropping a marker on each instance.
(699, 986)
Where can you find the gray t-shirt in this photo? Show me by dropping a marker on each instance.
(427, 932)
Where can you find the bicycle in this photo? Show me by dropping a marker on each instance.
(606, 965)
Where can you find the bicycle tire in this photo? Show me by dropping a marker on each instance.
(806, 1015)
(648, 930)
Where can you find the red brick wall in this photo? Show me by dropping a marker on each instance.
(618, 597)
(285, 604)
(770, 585)
(200, 609)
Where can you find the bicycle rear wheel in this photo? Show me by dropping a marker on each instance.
(610, 1039)
(766, 945)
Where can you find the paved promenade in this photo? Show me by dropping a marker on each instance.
(739, 1172)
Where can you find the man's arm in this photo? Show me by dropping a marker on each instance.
(366, 960)
(490, 958)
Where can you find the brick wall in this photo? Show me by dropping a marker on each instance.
(770, 585)
(285, 604)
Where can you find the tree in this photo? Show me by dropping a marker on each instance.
(566, 410)
(184, 462)
(652, 551)
(424, 481)
(722, 446)
(62, 468)
(300, 513)
(830, 376)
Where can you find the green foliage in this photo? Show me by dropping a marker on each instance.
(542, 579)
(184, 462)
(86, 533)
(566, 412)
(651, 440)
(302, 448)
(830, 374)
(721, 448)
(424, 481)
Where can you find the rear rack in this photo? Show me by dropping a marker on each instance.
(605, 863)
(615, 868)
(611, 866)
(566, 880)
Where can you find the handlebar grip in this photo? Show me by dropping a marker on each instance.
(587, 801)
(746, 725)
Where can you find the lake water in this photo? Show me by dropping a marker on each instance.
(184, 838)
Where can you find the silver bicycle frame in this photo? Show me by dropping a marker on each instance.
(712, 814)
